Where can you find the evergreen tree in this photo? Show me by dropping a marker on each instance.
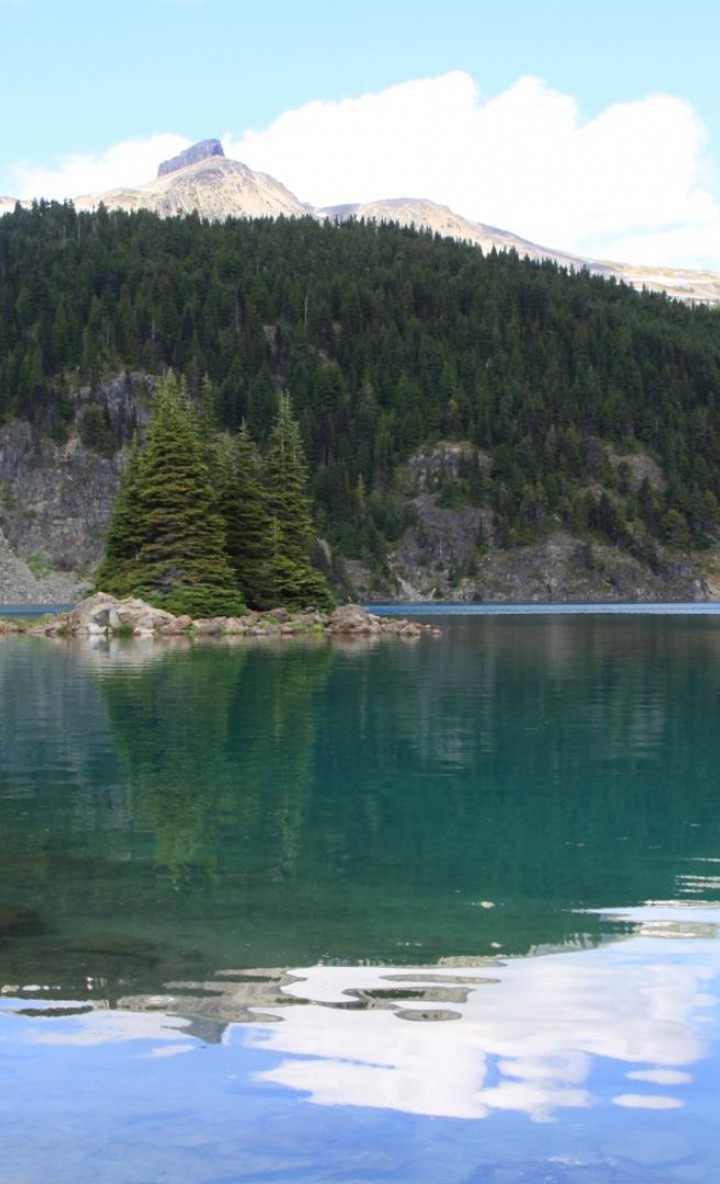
(166, 541)
(291, 578)
(242, 502)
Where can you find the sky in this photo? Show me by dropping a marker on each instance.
(585, 125)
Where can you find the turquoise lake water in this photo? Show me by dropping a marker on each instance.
(441, 911)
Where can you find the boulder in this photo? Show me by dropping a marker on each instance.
(211, 626)
(102, 613)
(279, 614)
(177, 627)
(353, 618)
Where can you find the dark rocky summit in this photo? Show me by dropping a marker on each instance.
(191, 155)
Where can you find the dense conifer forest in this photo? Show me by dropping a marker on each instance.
(387, 339)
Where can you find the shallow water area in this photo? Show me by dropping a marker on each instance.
(443, 910)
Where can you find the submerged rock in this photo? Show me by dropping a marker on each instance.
(14, 921)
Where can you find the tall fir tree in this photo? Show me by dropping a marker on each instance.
(291, 578)
(242, 501)
(166, 540)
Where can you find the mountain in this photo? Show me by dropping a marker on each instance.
(202, 178)
(216, 187)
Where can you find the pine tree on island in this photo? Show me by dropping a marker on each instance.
(291, 579)
(166, 541)
(198, 529)
(242, 501)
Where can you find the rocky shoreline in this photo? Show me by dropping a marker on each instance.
(104, 615)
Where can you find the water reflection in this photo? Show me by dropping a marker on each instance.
(260, 804)
(626, 1025)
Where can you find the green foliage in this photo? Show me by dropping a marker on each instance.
(195, 530)
(166, 541)
(388, 339)
(96, 431)
(38, 565)
(242, 501)
(290, 579)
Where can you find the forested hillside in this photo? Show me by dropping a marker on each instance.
(388, 340)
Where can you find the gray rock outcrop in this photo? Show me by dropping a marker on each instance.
(200, 151)
(352, 620)
(56, 499)
(103, 613)
(19, 585)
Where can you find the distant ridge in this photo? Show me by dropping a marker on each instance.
(202, 179)
(428, 215)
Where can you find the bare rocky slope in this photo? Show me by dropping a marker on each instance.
(202, 178)
(216, 187)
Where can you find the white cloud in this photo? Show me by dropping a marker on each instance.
(129, 163)
(631, 184)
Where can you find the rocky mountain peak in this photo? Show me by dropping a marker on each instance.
(200, 151)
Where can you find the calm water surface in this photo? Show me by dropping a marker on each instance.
(443, 911)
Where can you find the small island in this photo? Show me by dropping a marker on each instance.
(209, 539)
(104, 615)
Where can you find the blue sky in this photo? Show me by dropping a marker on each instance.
(80, 79)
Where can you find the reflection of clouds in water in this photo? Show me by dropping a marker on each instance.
(526, 1043)
(103, 1027)
(660, 1076)
(536, 1036)
(172, 1050)
(647, 1102)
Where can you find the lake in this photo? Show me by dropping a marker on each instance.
(442, 911)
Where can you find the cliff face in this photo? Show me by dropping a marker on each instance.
(192, 155)
(557, 569)
(55, 499)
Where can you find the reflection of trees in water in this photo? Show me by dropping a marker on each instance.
(570, 760)
(386, 795)
(211, 738)
(170, 732)
(268, 804)
(268, 758)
